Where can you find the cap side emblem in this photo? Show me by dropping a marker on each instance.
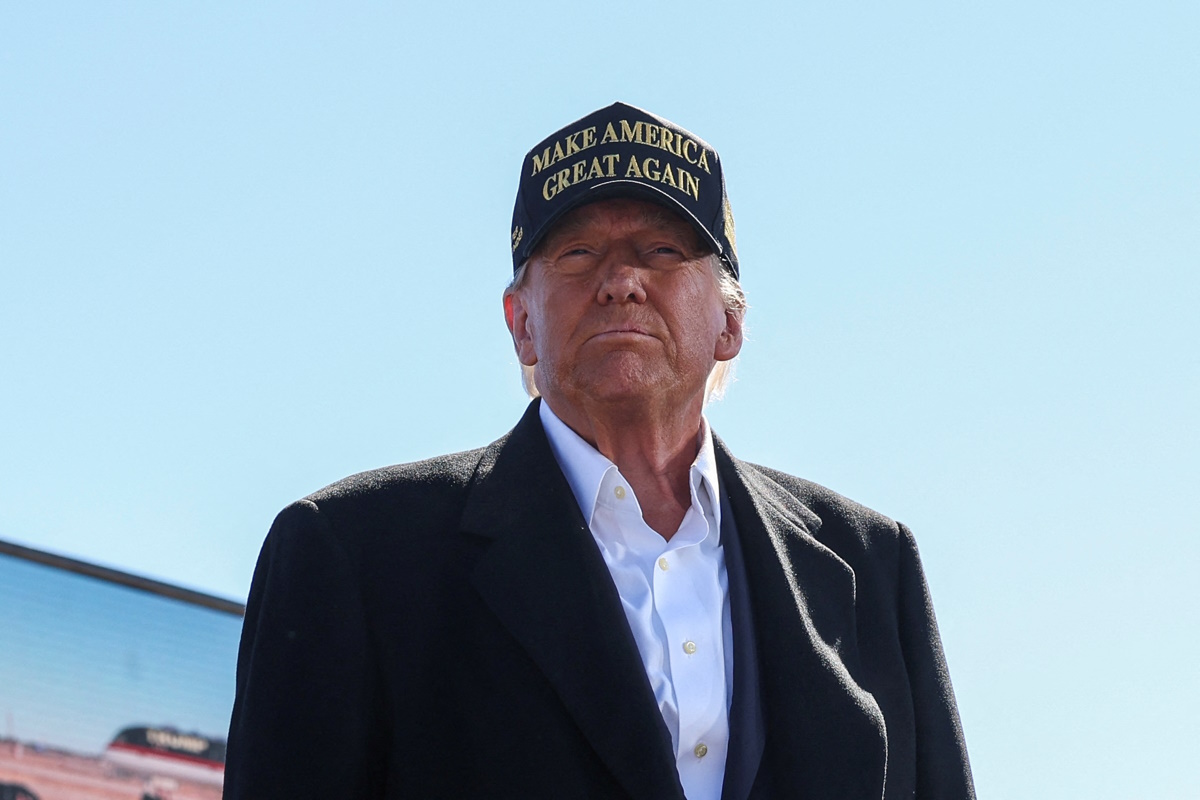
(729, 231)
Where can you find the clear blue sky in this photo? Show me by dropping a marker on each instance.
(248, 249)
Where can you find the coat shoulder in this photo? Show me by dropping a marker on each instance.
(427, 495)
(840, 517)
(441, 473)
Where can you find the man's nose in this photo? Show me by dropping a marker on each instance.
(621, 278)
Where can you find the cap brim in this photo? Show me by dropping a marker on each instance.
(621, 187)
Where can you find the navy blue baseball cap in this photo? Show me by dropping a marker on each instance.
(622, 151)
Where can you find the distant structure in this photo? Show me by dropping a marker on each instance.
(127, 640)
(168, 753)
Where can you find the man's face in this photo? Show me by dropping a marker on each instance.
(621, 303)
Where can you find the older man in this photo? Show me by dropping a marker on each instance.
(604, 603)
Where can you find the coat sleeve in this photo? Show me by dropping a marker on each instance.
(943, 771)
(307, 715)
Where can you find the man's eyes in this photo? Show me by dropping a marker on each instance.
(584, 251)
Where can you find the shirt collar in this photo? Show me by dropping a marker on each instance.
(585, 467)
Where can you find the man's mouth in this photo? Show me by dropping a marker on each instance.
(623, 331)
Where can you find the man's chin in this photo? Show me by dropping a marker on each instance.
(627, 384)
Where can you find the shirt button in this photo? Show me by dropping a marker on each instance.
(619, 492)
(689, 647)
(663, 564)
(701, 750)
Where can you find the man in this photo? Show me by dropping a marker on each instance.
(605, 603)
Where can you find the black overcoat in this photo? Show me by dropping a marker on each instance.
(448, 629)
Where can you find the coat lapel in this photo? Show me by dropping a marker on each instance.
(545, 580)
(825, 733)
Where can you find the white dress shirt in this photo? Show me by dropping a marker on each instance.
(675, 595)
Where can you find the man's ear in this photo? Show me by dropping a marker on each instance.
(729, 343)
(517, 319)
